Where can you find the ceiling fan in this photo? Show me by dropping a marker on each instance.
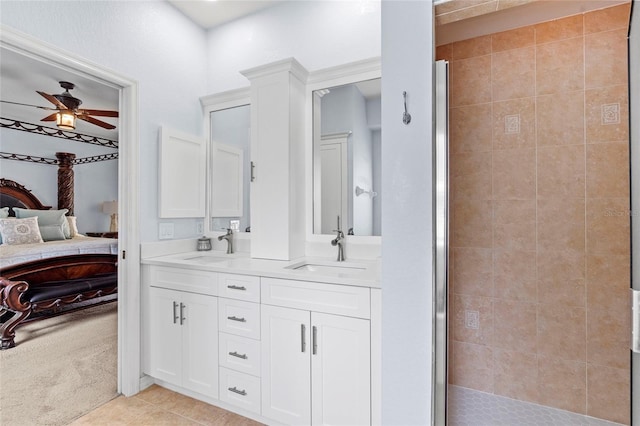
(67, 109)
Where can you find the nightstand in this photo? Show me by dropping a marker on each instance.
(102, 234)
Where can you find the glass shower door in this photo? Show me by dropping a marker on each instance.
(441, 192)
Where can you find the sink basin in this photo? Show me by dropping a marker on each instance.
(325, 269)
(205, 259)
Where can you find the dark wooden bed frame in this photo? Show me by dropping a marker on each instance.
(48, 287)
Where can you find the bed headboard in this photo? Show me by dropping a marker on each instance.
(12, 194)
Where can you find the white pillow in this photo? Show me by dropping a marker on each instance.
(73, 226)
(4, 212)
(47, 218)
(20, 231)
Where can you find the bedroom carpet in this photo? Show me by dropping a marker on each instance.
(60, 369)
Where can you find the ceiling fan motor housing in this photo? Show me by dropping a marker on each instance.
(66, 98)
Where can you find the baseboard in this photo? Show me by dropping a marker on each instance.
(146, 381)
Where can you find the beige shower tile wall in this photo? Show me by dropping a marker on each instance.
(540, 213)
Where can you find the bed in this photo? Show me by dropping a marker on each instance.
(43, 279)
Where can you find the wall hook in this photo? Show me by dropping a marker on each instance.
(406, 117)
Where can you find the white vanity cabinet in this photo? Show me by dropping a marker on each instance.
(239, 340)
(316, 366)
(183, 329)
(279, 350)
(277, 152)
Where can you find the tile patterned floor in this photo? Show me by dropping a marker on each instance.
(469, 407)
(159, 406)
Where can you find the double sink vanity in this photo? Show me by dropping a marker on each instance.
(283, 342)
(280, 332)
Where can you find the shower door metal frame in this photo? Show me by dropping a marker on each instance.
(634, 157)
(441, 240)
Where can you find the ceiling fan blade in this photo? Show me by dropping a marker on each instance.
(29, 105)
(51, 117)
(98, 112)
(52, 99)
(96, 122)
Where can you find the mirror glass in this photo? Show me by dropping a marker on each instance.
(230, 168)
(346, 159)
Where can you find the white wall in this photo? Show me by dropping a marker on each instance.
(407, 254)
(149, 41)
(319, 34)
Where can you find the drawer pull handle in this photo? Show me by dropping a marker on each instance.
(175, 315)
(237, 355)
(239, 392)
(237, 287)
(315, 339)
(237, 319)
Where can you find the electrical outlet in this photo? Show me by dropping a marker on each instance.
(165, 230)
(199, 228)
(234, 225)
(472, 319)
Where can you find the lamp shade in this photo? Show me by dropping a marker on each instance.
(110, 207)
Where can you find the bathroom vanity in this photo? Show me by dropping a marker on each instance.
(269, 333)
(282, 342)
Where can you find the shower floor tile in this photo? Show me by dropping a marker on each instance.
(468, 407)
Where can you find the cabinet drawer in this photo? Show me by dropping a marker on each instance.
(241, 287)
(318, 297)
(239, 318)
(240, 389)
(239, 353)
(190, 280)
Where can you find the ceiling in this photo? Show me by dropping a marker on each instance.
(22, 76)
(209, 14)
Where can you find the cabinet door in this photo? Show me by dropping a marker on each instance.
(183, 161)
(340, 370)
(286, 376)
(165, 354)
(199, 316)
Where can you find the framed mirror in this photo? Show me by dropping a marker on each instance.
(230, 168)
(229, 163)
(346, 158)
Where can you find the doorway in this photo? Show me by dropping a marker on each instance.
(129, 264)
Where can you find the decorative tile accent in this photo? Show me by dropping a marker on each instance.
(610, 113)
(472, 319)
(469, 407)
(512, 124)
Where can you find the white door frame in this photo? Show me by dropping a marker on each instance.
(128, 184)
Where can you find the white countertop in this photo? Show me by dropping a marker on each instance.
(355, 272)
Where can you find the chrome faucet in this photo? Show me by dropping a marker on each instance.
(339, 241)
(229, 237)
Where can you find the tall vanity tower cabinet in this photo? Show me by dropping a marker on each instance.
(277, 154)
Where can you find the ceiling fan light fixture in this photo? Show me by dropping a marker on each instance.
(66, 120)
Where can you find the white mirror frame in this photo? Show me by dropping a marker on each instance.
(211, 103)
(353, 72)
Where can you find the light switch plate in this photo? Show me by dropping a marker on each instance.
(234, 225)
(199, 228)
(165, 230)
